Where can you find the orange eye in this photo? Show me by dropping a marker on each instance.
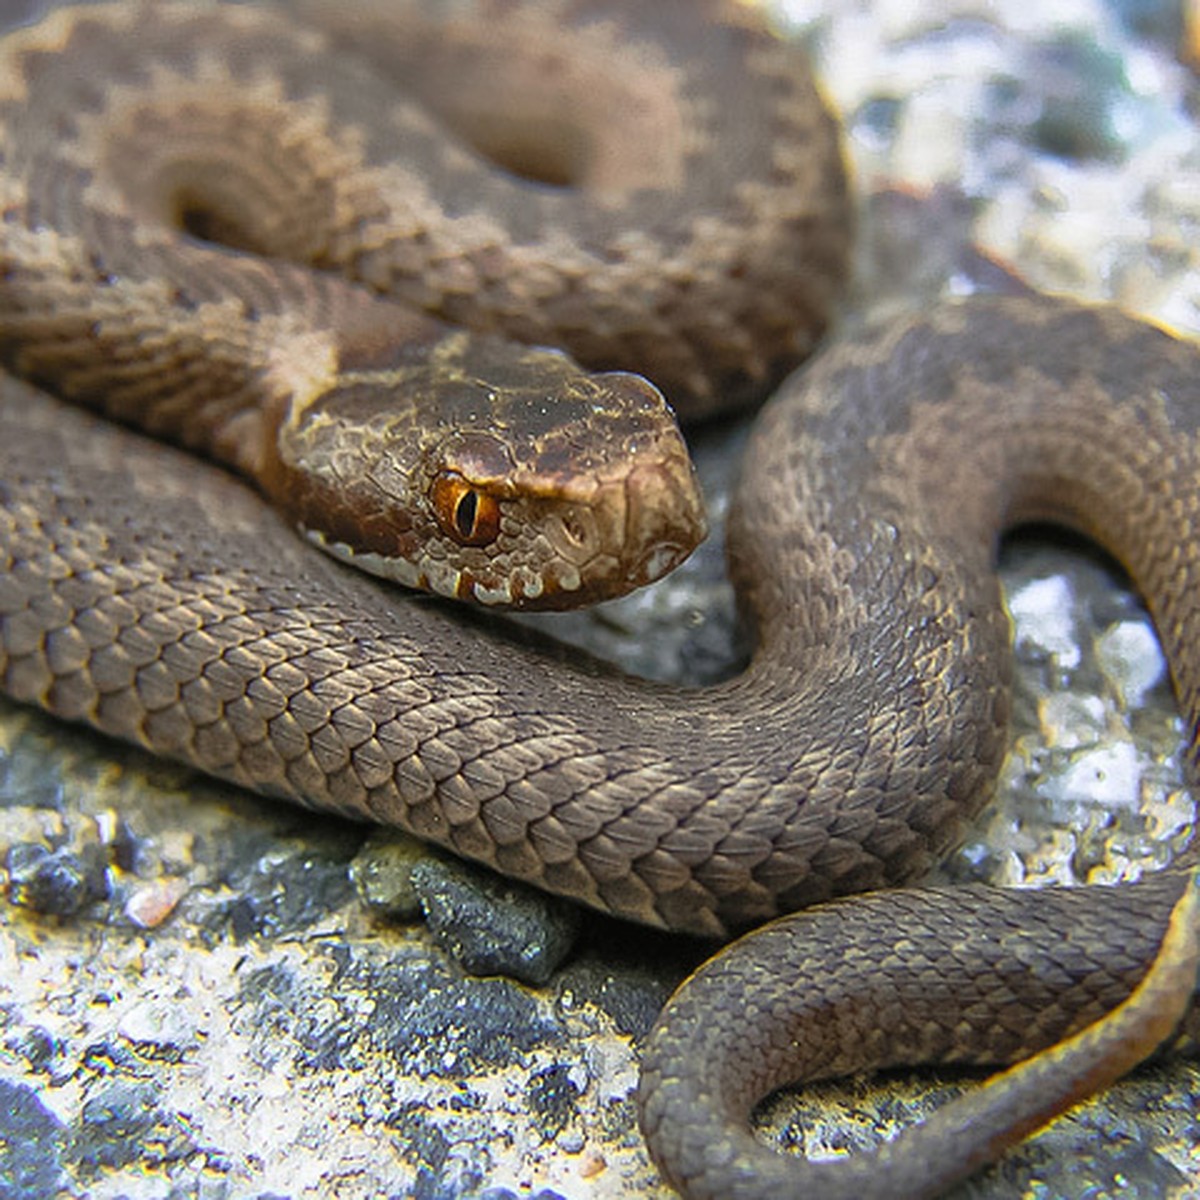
(467, 514)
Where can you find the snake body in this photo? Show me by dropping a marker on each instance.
(160, 600)
(139, 135)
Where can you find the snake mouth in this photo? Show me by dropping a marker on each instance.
(661, 560)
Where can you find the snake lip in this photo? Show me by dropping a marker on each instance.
(661, 560)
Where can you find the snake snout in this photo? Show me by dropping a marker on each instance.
(665, 518)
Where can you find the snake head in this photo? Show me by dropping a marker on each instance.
(493, 473)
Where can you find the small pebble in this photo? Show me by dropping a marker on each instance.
(493, 926)
(58, 883)
(382, 874)
(36, 1045)
(148, 907)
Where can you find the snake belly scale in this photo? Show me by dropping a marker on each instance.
(158, 599)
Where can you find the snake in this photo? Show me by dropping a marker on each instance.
(225, 225)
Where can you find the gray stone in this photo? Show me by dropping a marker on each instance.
(382, 874)
(31, 1145)
(492, 925)
(59, 883)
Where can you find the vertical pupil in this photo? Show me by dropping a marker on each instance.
(465, 513)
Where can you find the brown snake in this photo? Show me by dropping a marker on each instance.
(158, 599)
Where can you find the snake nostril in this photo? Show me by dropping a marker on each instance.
(574, 529)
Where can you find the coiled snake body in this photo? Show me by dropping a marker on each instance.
(158, 599)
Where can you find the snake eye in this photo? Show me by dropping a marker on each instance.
(467, 514)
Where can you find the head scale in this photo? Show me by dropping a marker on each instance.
(495, 473)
